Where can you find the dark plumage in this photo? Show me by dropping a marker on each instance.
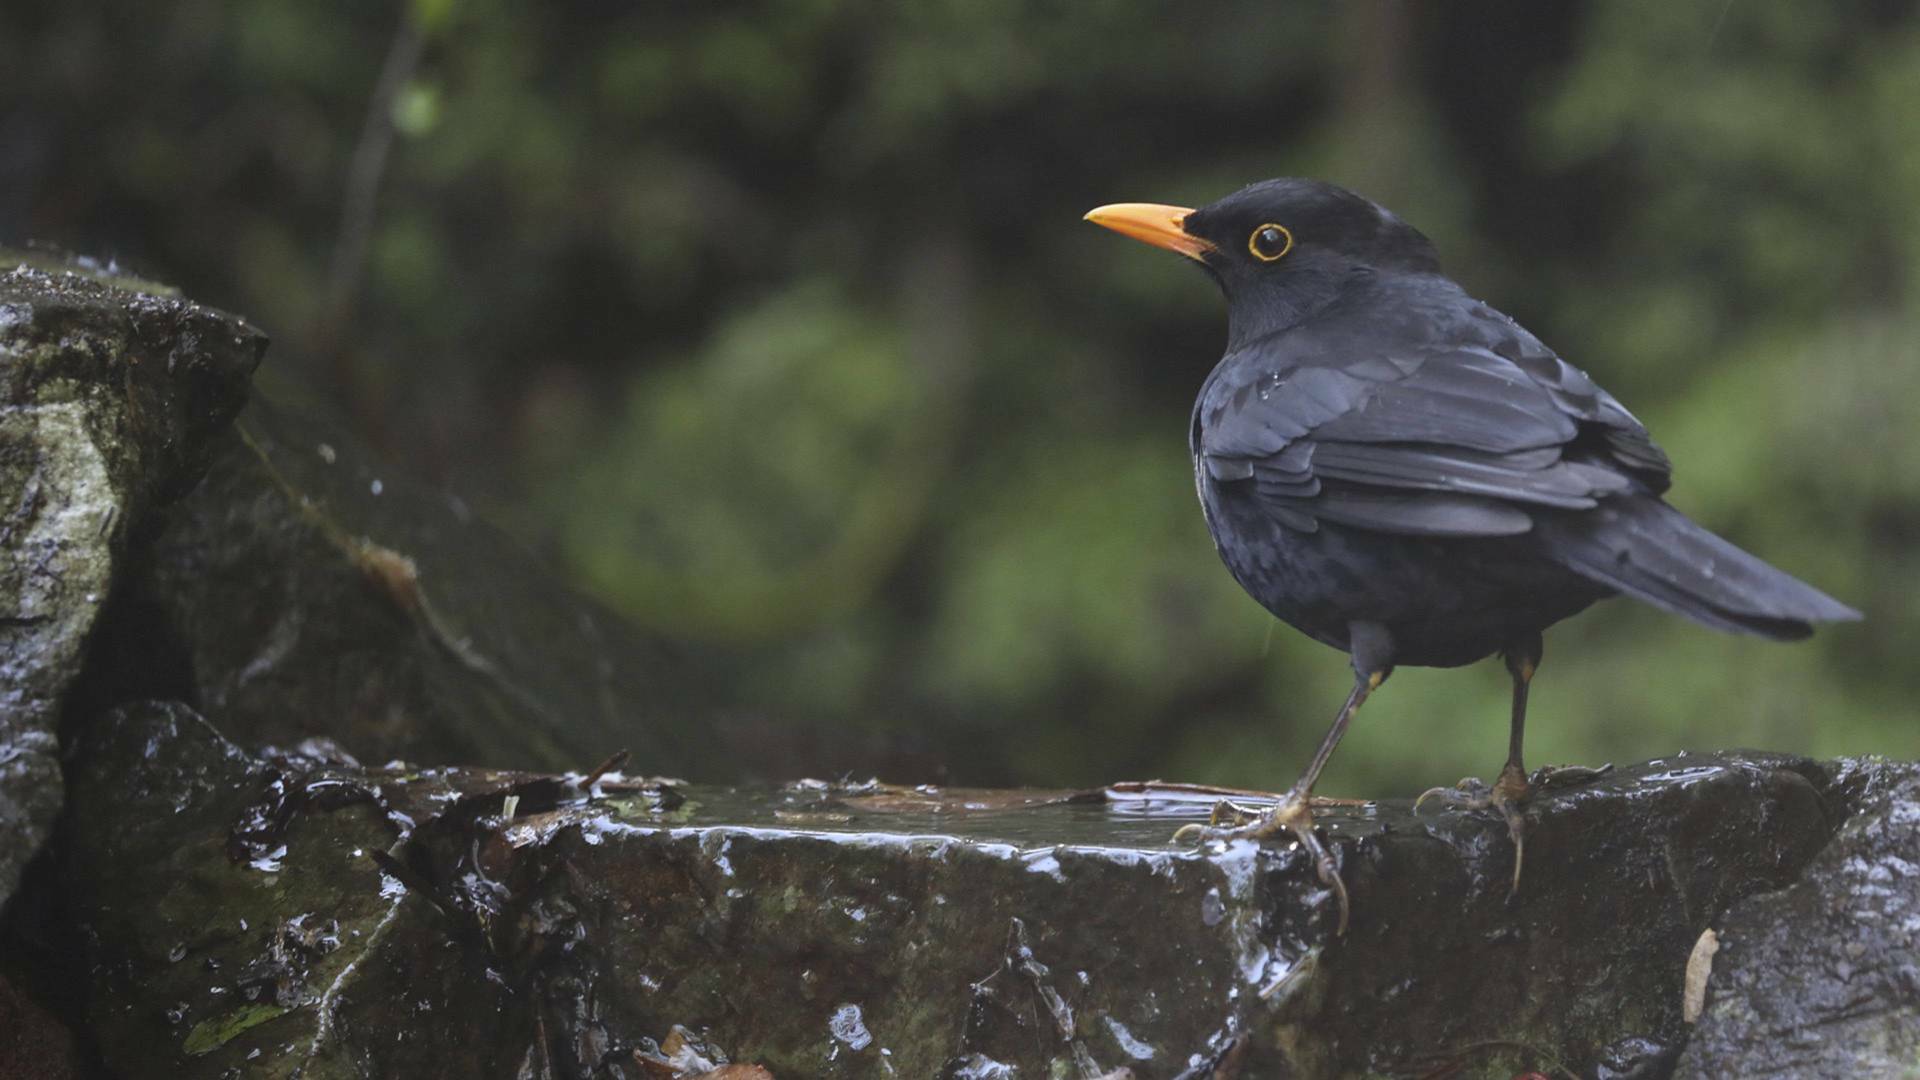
(1402, 472)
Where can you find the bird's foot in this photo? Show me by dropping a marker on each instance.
(1508, 794)
(1292, 813)
(1229, 816)
(1472, 793)
(1227, 821)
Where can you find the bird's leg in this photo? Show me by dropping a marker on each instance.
(1372, 652)
(1510, 790)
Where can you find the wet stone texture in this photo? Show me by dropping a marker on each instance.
(109, 390)
(1822, 979)
(290, 915)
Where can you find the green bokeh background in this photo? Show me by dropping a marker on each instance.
(776, 326)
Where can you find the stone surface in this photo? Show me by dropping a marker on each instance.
(32, 1042)
(109, 390)
(1822, 979)
(327, 920)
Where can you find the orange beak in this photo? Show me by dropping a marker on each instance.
(1152, 223)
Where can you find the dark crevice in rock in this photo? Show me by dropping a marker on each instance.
(136, 654)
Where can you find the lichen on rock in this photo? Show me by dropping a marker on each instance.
(109, 390)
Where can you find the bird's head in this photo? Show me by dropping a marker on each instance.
(1280, 249)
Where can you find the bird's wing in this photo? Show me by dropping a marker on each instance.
(1622, 437)
(1426, 437)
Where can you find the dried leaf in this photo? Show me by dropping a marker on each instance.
(1693, 999)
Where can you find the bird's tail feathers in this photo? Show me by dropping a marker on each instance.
(1648, 550)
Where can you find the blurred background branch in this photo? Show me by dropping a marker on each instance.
(364, 171)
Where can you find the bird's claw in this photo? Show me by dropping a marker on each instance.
(1229, 821)
(1291, 814)
(1471, 793)
(1517, 830)
(1508, 794)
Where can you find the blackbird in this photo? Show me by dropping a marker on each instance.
(1400, 471)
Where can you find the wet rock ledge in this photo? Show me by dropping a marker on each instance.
(298, 915)
(207, 614)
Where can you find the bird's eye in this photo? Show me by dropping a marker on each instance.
(1269, 242)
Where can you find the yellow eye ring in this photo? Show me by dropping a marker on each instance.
(1270, 241)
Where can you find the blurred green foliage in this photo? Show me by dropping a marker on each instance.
(776, 325)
